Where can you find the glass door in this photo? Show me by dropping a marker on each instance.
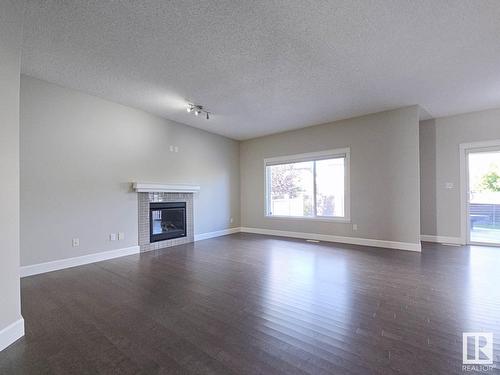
(484, 196)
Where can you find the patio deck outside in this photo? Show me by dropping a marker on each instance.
(485, 220)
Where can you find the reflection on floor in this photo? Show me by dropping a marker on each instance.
(253, 304)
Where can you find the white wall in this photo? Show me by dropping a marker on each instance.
(11, 12)
(384, 175)
(79, 154)
(442, 137)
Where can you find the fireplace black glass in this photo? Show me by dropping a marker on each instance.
(167, 220)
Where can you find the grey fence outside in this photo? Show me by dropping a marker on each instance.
(485, 214)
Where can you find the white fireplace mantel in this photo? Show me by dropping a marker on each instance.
(143, 187)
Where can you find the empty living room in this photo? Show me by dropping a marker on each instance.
(249, 187)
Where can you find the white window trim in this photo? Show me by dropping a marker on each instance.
(339, 152)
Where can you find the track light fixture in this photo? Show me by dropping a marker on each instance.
(198, 110)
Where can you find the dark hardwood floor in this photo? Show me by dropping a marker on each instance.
(251, 304)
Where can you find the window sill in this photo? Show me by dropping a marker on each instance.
(305, 218)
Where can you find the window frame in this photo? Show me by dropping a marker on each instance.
(312, 156)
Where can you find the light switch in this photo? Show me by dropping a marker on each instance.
(121, 236)
(76, 242)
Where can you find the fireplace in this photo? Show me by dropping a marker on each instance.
(167, 220)
(149, 199)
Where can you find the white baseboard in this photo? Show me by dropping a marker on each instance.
(77, 261)
(11, 333)
(97, 257)
(442, 239)
(224, 232)
(342, 239)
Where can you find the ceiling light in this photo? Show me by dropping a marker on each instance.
(197, 109)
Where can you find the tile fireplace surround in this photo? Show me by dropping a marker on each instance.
(147, 197)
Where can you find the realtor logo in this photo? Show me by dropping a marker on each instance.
(477, 348)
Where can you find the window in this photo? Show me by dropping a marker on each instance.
(312, 186)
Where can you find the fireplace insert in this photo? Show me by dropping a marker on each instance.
(167, 220)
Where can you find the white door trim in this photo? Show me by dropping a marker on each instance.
(465, 148)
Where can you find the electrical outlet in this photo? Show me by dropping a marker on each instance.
(355, 227)
(76, 242)
(112, 237)
(231, 220)
(121, 236)
(171, 148)
(176, 149)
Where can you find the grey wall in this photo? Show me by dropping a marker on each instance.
(442, 137)
(78, 155)
(428, 177)
(11, 27)
(384, 175)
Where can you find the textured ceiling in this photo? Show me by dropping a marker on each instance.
(267, 66)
